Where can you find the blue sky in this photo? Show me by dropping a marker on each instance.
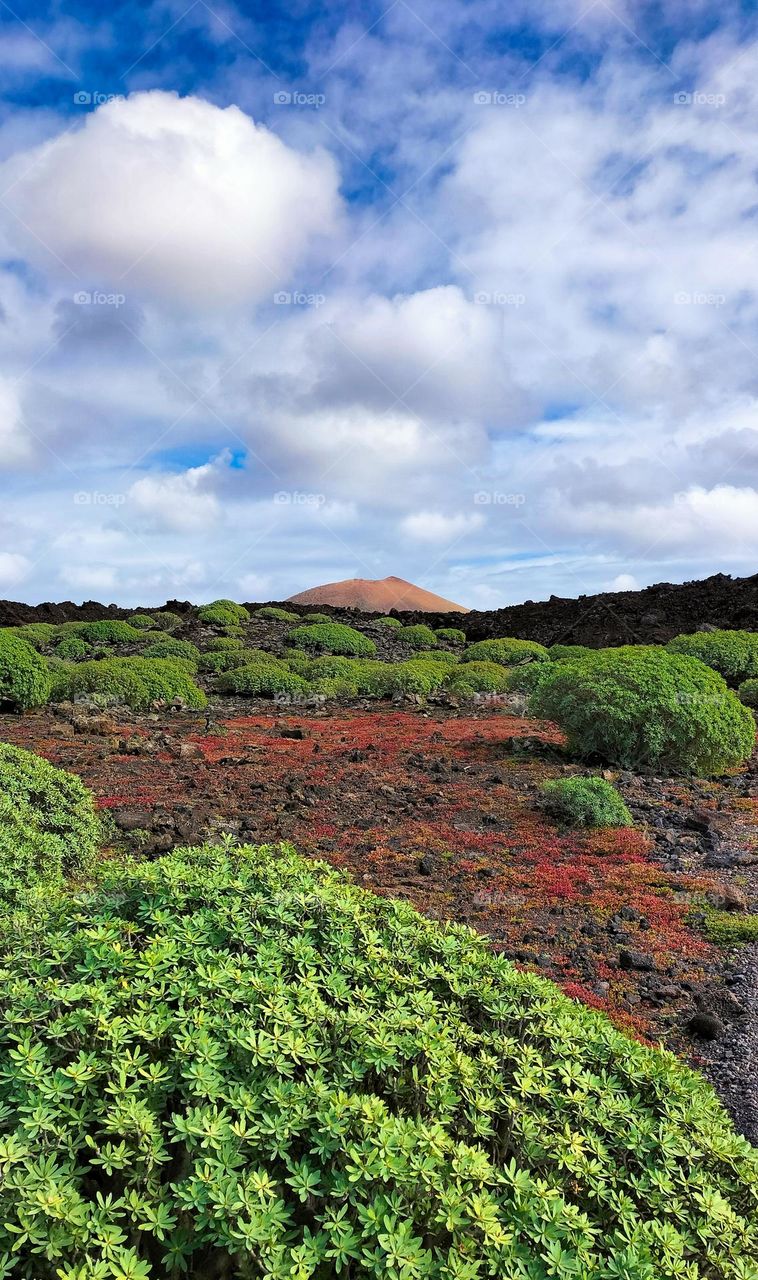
(428, 289)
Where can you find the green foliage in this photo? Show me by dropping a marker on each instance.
(276, 614)
(232, 1063)
(734, 654)
(452, 635)
(506, 651)
(528, 677)
(71, 647)
(263, 680)
(169, 647)
(333, 687)
(24, 676)
(730, 930)
(142, 621)
(38, 634)
(478, 677)
(111, 631)
(219, 643)
(748, 693)
(316, 617)
(223, 613)
(558, 652)
(418, 637)
(641, 707)
(165, 620)
(136, 682)
(332, 637)
(388, 622)
(230, 659)
(48, 824)
(414, 676)
(586, 802)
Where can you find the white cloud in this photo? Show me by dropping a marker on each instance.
(89, 577)
(434, 526)
(14, 568)
(624, 582)
(15, 446)
(172, 198)
(183, 502)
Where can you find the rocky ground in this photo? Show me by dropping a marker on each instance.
(440, 805)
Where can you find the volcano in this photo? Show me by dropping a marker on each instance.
(377, 596)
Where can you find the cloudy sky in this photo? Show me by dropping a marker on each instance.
(462, 292)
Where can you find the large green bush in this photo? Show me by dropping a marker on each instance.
(641, 707)
(24, 675)
(72, 647)
(478, 677)
(414, 676)
(135, 682)
(418, 637)
(585, 802)
(506, 651)
(332, 637)
(111, 631)
(262, 680)
(229, 659)
(558, 652)
(48, 824)
(223, 613)
(232, 1063)
(734, 654)
(169, 647)
(38, 634)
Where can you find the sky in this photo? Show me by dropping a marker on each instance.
(460, 292)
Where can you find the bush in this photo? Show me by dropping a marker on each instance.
(316, 617)
(276, 614)
(558, 652)
(48, 824)
(748, 693)
(223, 613)
(478, 677)
(414, 677)
(332, 637)
(506, 651)
(71, 647)
(730, 930)
(262, 680)
(333, 687)
(388, 622)
(24, 676)
(527, 678)
(38, 634)
(452, 635)
(111, 631)
(165, 620)
(641, 707)
(586, 802)
(418, 637)
(135, 682)
(229, 659)
(168, 647)
(234, 1063)
(734, 654)
(221, 643)
(142, 621)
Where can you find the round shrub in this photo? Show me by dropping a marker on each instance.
(276, 614)
(734, 654)
(24, 675)
(48, 824)
(414, 677)
(38, 634)
(168, 647)
(748, 693)
(135, 682)
(223, 613)
(71, 647)
(585, 802)
(418, 637)
(165, 620)
(229, 659)
(233, 1063)
(142, 621)
(330, 665)
(388, 622)
(333, 687)
(263, 680)
(219, 643)
(111, 631)
(641, 707)
(316, 617)
(506, 651)
(451, 635)
(557, 652)
(528, 677)
(332, 637)
(478, 677)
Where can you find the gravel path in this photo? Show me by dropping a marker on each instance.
(731, 1063)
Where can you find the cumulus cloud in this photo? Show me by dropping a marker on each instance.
(182, 502)
(15, 445)
(14, 568)
(172, 198)
(435, 526)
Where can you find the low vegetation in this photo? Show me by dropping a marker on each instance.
(506, 651)
(332, 637)
(134, 682)
(734, 654)
(223, 613)
(275, 614)
(418, 637)
(24, 675)
(585, 802)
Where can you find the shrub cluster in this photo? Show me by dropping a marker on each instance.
(276, 614)
(641, 707)
(229, 659)
(72, 647)
(110, 631)
(169, 647)
(135, 682)
(233, 1063)
(219, 643)
(142, 621)
(332, 637)
(734, 654)
(451, 635)
(262, 680)
(223, 613)
(24, 675)
(557, 652)
(506, 651)
(478, 677)
(586, 802)
(38, 634)
(418, 637)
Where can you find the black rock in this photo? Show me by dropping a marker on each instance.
(636, 960)
(705, 1025)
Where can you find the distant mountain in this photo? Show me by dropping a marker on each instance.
(377, 596)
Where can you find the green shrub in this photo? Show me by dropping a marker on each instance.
(586, 802)
(442, 657)
(142, 621)
(506, 651)
(38, 634)
(223, 613)
(48, 824)
(418, 637)
(528, 677)
(276, 614)
(414, 677)
(232, 1063)
(452, 635)
(165, 620)
(221, 644)
(135, 682)
(388, 622)
(111, 631)
(734, 654)
(71, 647)
(316, 617)
(333, 687)
(641, 707)
(168, 647)
(478, 677)
(263, 680)
(748, 693)
(558, 652)
(230, 659)
(332, 637)
(330, 665)
(730, 930)
(24, 676)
